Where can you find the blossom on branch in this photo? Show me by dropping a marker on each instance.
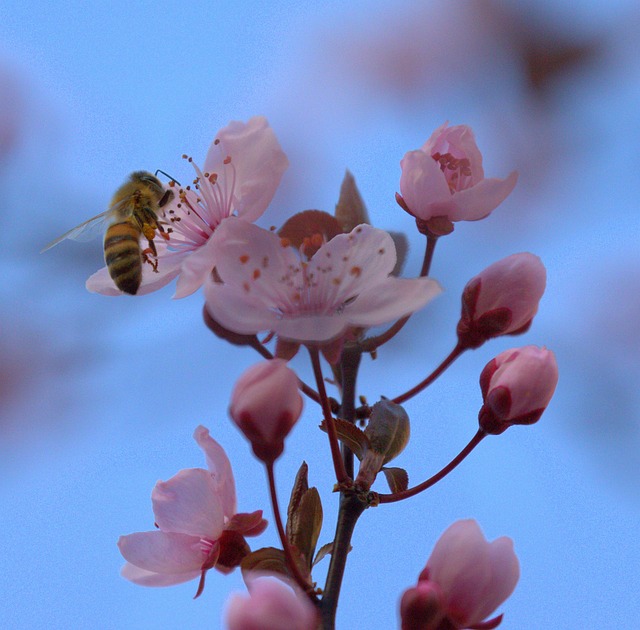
(516, 387)
(265, 285)
(466, 578)
(265, 404)
(502, 299)
(198, 526)
(445, 179)
(241, 173)
(271, 605)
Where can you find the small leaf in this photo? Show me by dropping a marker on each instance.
(249, 524)
(326, 550)
(306, 524)
(267, 559)
(397, 478)
(350, 209)
(309, 229)
(353, 437)
(300, 486)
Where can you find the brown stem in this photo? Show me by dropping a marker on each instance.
(453, 355)
(351, 507)
(341, 474)
(291, 561)
(405, 494)
(350, 363)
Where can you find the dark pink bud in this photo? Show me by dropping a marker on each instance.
(422, 607)
(502, 299)
(265, 404)
(516, 387)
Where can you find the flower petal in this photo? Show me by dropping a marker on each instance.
(257, 164)
(220, 469)
(394, 298)
(150, 578)
(189, 503)
(480, 200)
(423, 185)
(162, 552)
(505, 573)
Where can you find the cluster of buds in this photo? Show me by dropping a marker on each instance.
(320, 283)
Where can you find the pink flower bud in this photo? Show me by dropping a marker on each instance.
(502, 299)
(516, 387)
(271, 604)
(467, 576)
(445, 178)
(265, 404)
(422, 607)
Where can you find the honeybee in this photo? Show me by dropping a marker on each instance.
(132, 215)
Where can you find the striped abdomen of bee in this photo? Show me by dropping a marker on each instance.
(123, 254)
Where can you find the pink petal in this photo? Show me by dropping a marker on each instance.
(220, 468)
(238, 310)
(196, 267)
(394, 298)
(423, 184)
(460, 565)
(189, 503)
(149, 578)
(272, 605)
(162, 552)
(505, 573)
(258, 162)
(480, 200)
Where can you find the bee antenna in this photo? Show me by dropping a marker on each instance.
(173, 179)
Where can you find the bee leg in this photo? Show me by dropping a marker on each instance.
(166, 198)
(150, 254)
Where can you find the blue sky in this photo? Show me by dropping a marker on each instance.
(100, 396)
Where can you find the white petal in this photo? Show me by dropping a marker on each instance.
(150, 578)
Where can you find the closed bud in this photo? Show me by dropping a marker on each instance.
(516, 388)
(501, 300)
(388, 431)
(265, 404)
(422, 607)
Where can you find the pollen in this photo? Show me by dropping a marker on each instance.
(355, 271)
(244, 259)
(256, 274)
(227, 160)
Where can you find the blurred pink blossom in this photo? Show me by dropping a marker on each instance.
(345, 283)
(445, 178)
(516, 387)
(242, 171)
(502, 299)
(198, 527)
(271, 605)
(265, 404)
(466, 578)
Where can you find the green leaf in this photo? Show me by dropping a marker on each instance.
(300, 486)
(267, 559)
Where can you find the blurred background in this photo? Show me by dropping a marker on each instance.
(99, 396)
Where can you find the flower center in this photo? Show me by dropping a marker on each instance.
(456, 170)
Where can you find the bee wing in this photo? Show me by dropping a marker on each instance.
(89, 229)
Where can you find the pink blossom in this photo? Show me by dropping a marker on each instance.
(516, 387)
(242, 171)
(269, 286)
(445, 178)
(265, 404)
(198, 527)
(502, 299)
(466, 578)
(271, 605)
